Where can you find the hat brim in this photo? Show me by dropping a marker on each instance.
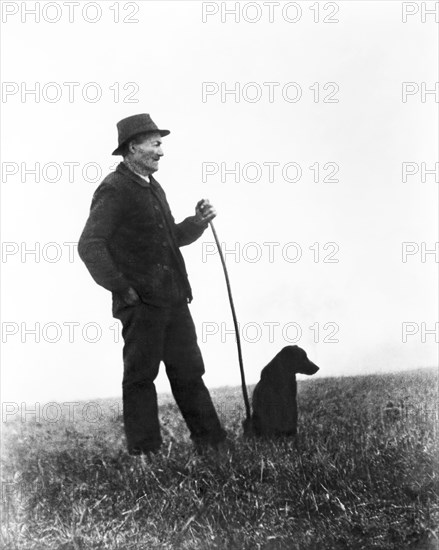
(163, 133)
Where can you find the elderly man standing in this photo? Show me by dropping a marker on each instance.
(130, 245)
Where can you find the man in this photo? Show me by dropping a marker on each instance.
(130, 245)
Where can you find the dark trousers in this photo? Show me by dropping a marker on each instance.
(153, 334)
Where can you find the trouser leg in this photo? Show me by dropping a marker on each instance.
(143, 333)
(185, 368)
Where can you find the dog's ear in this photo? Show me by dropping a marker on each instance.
(278, 369)
(269, 371)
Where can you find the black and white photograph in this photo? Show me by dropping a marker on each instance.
(219, 302)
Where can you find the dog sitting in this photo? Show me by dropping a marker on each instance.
(274, 397)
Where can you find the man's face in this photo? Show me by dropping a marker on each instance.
(148, 153)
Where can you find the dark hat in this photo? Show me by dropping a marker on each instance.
(129, 127)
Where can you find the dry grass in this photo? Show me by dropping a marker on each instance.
(365, 476)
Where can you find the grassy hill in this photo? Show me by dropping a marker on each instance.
(364, 475)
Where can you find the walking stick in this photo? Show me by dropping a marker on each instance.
(235, 322)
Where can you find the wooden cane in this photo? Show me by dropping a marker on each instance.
(235, 322)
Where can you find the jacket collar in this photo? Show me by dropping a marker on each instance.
(122, 168)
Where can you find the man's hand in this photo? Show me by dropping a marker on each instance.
(130, 297)
(204, 212)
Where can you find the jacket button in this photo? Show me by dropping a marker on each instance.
(161, 225)
(165, 267)
(156, 207)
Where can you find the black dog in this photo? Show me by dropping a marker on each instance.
(274, 397)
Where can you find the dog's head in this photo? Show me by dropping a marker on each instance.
(298, 360)
(291, 360)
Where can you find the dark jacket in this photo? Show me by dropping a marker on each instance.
(131, 239)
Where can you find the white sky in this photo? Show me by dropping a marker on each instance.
(168, 54)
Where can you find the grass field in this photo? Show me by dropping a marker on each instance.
(364, 476)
